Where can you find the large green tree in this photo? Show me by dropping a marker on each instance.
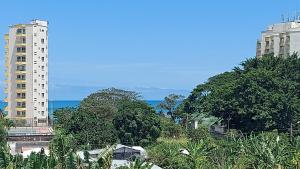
(260, 94)
(95, 121)
(137, 123)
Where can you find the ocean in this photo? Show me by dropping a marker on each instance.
(58, 104)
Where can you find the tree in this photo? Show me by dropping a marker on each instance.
(170, 103)
(170, 129)
(137, 123)
(138, 164)
(260, 95)
(93, 122)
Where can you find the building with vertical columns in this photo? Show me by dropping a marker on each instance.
(26, 62)
(281, 39)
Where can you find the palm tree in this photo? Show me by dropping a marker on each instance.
(104, 159)
(138, 164)
(5, 157)
(197, 153)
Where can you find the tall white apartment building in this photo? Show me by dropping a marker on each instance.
(26, 62)
(280, 38)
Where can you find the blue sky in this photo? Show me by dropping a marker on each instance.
(154, 47)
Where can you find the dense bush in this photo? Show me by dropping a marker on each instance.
(266, 150)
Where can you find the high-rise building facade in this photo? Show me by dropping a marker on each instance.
(26, 62)
(281, 39)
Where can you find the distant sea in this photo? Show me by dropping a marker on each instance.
(54, 105)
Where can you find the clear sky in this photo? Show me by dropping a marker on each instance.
(152, 46)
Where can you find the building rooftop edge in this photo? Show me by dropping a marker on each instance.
(38, 22)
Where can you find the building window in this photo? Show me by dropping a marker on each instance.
(43, 67)
(21, 77)
(43, 113)
(43, 104)
(43, 85)
(21, 68)
(21, 49)
(43, 59)
(43, 95)
(42, 40)
(21, 59)
(21, 31)
(21, 86)
(21, 104)
(21, 95)
(21, 113)
(43, 50)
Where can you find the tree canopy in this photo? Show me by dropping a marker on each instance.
(109, 116)
(260, 94)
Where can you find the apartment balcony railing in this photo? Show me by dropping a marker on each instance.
(20, 81)
(20, 62)
(20, 90)
(20, 99)
(21, 53)
(6, 37)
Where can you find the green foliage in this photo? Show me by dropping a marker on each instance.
(199, 134)
(104, 159)
(263, 94)
(138, 164)
(107, 116)
(137, 123)
(266, 150)
(167, 155)
(5, 123)
(170, 104)
(170, 129)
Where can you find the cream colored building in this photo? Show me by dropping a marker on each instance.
(26, 62)
(280, 38)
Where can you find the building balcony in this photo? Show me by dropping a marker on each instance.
(21, 90)
(6, 37)
(6, 46)
(21, 34)
(6, 64)
(20, 81)
(20, 53)
(20, 44)
(5, 99)
(6, 74)
(6, 108)
(20, 63)
(20, 99)
(20, 108)
(5, 90)
(20, 117)
(18, 72)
